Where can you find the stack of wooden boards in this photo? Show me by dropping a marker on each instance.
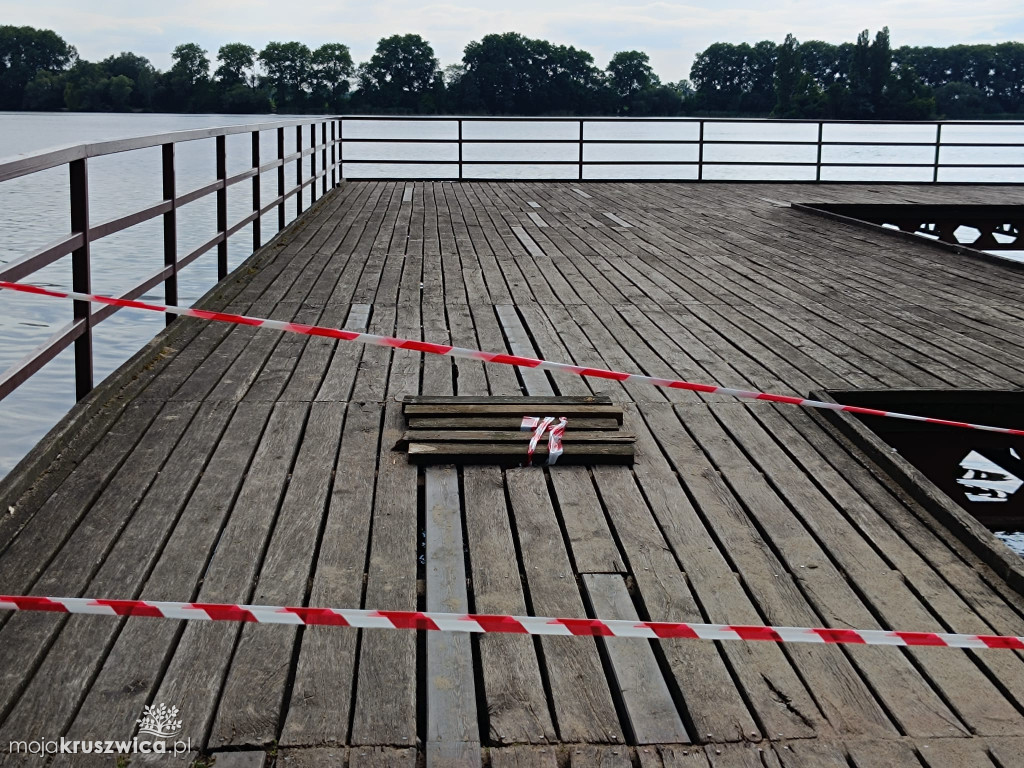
(488, 430)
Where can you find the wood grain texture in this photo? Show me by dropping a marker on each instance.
(236, 464)
(652, 714)
(451, 689)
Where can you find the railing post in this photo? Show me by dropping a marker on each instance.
(323, 156)
(460, 149)
(700, 153)
(581, 151)
(280, 179)
(938, 146)
(256, 234)
(81, 280)
(341, 150)
(312, 163)
(817, 170)
(222, 207)
(170, 229)
(298, 171)
(334, 154)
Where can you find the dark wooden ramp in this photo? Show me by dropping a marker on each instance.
(228, 464)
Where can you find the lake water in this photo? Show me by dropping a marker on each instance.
(35, 209)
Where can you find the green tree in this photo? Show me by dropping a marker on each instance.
(824, 62)
(500, 71)
(119, 91)
(332, 68)
(879, 66)
(512, 74)
(190, 64)
(788, 71)
(236, 65)
(24, 52)
(958, 100)
(735, 78)
(658, 101)
(86, 88)
(907, 98)
(186, 86)
(45, 91)
(140, 71)
(630, 72)
(403, 75)
(288, 67)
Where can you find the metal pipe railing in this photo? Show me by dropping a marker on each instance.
(77, 244)
(393, 167)
(333, 163)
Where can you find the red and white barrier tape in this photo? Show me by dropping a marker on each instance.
(490, 357)
(540, 426)
(481, 623)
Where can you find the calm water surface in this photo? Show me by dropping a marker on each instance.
(35, 209)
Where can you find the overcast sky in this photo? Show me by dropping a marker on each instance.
(671, 32)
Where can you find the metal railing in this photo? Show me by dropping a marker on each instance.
(82, 234)
(702, 140)
(464, 139)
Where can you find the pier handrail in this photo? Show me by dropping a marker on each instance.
(331, 150)
(310, 140)
(701, 141)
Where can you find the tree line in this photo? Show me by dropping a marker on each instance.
(510, 74)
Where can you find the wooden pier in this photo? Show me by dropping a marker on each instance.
(230, 464)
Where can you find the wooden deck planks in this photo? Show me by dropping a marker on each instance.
(248, 465)
(453, 737)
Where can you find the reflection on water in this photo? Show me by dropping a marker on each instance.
(34, 211)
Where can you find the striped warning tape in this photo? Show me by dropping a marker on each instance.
(482, 623)
(489, 357)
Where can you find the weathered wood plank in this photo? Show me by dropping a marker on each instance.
(381, 757)
(499, 400)
(501, 422)
(62, 680)
(908, 696)
(510, 436)
(599, 757)
(579, 690)
(653, 718)
(195, 675)
(241, 759)
(963, 684)
(672, 757)
(322, 690)
(517, 706)
(130, 674)
(778, 696)
(881, 753)
(812, 754)
(514, 455)
(962, 753)
(385, 706)
(527, 407)
(262, 658)
(451, 688)
(524, 757)
(713, 699)
(1007, 753)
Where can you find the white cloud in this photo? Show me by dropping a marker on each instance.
(672, 32)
